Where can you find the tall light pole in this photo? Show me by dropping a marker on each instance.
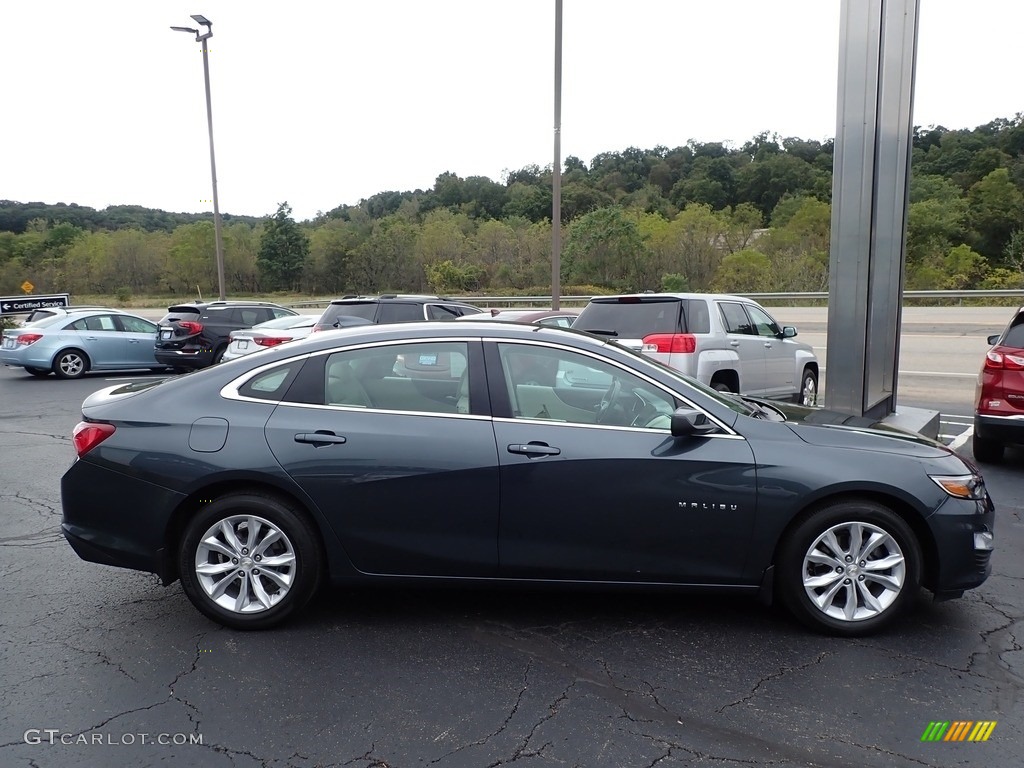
(201, 39)
(556, 170)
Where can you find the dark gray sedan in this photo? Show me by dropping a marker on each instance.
(458, 452)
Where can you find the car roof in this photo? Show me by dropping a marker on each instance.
(641, 296)
(393, 297)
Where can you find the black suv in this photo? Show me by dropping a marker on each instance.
(392, 308)
(195, 335)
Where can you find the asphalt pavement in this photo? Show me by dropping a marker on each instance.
(105, 667)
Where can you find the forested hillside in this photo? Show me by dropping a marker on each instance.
(699, 216)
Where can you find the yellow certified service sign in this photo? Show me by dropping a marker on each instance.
(27, 287)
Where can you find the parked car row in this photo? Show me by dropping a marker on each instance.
(727, 342)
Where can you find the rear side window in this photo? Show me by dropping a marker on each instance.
(401, 313)
(272, 384)
(632, 319)
(1015, 334)
(735, 319)
(95, 323)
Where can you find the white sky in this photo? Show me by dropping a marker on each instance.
(324, 102)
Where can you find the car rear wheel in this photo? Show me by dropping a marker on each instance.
(249, 560)
(987, 451)
(721, 386)
(219, 354)
(809, 387)
(40, 372)
(70, 364)
(849, 568)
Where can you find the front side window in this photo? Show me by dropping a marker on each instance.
(764, 325)
(561, 385)
(136, 325)
(424, 377)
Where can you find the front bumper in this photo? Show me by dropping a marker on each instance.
(964, 539)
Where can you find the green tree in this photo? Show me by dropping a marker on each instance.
(284, 249)
(995, 210)
(746, 271)
(604, 248)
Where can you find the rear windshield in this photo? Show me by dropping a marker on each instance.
(366, 310)
(175, 313)
(634, 318)
(1015, 334)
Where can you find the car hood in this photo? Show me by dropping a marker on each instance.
(819, 426)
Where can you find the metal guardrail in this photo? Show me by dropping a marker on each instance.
(545, 301)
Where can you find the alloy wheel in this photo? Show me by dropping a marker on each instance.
(854, 571)
(245, 564)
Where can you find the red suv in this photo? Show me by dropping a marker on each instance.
(999, 414)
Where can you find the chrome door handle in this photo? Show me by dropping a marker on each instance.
(734, 343)
(319, 438)
(534, 449)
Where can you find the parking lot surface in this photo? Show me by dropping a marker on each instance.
(105, 667)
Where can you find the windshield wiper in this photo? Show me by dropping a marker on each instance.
(600, 332)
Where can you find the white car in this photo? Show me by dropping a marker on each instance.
(268, 334)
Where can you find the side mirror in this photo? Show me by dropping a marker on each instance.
(687, 422)
(788, 331)
(993, 340)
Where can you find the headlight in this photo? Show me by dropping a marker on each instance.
(962, 486)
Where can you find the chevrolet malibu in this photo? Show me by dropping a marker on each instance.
(326, 460)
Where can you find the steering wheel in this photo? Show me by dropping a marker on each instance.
(605, 409)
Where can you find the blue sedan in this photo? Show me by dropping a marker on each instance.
(71, 343)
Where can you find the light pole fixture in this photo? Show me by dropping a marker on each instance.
(201, 39)
(556, 170)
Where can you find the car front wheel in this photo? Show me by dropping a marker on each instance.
(809, 388)
(70, 364)
(849, 568)
(248, 560)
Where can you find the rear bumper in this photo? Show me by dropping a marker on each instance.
(184, 358)
(127, 528)
(1003, 429)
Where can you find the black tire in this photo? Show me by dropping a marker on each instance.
(721, 386)
(42, 373)
(219, 354)
(987, 451)
(835, 586)
(299, 541)
(808, 394)
(70, 364)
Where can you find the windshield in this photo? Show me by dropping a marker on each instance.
(631, 319)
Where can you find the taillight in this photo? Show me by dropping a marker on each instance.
(27, 338)
(670, 343)
(270, 341)
(999, 360)
(89, 434)
(190, 327)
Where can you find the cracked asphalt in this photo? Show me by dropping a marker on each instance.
(110, 661)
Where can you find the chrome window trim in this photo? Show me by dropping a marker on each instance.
(584, 425)
(358, 409)
(230, 390)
